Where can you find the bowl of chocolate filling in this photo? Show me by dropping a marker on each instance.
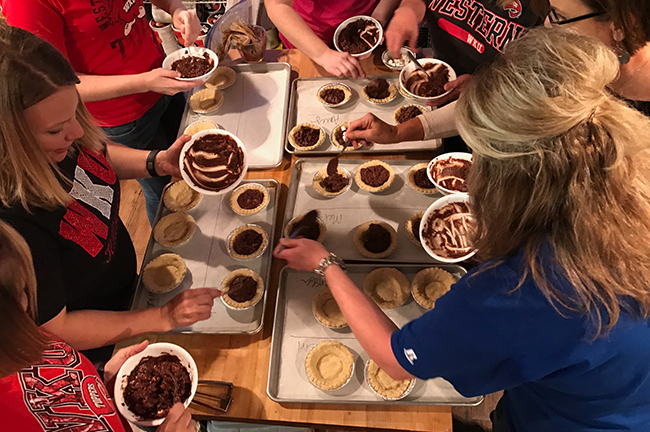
(149, 383)
(358, 35)
(213, 162)
(193, 63)
(449, 171)
(426, 87)
(446, 228)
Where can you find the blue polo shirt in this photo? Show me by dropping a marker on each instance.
(556, 377)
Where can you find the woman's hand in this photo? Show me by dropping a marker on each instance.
(167, 160)
(301, 253)
(178, 419)
(369, 128)
(163, 81)
(190, 306)
(456, 86)
(188, 24)
(341, 64)
(113, 366)
(403, 27)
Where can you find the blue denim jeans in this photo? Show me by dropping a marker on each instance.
(156, 129)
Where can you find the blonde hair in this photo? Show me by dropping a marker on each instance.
(22, 341)
(561, 163)
(32, 70)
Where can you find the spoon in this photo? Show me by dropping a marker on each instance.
(417, 64)
(299, 227)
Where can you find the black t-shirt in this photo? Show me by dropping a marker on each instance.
(468, 34)
(83, 255)
(641, 106)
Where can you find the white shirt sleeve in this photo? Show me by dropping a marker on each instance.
(440, 123)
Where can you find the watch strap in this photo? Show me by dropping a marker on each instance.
(151, 163)
(326, 262)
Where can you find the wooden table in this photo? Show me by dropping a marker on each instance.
(244, 359)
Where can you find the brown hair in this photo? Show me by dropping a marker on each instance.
(22, 341)
(631, 16)
(31, 70)
(560, 162)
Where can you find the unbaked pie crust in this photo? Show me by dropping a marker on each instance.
(206, 100)
(198, 127)
(358, 240)
(222, 78)
(409, 226)
(296, 128)
(174, 229)
(384, 385)
(260, 250)
(329, 365)
(164, 273)
(327, 311)
(234, 205)
(225, 286)
(375, 189)
(387, 287)
(429, 285)
(180, 197)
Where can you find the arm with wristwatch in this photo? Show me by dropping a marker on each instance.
(371, 327)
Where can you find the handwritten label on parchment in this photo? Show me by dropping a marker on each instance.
(333, 218)
(314, 281)
(333, 119)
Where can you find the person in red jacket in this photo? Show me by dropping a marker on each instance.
(45, 384)
(118, 60)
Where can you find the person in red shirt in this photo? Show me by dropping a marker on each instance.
(309, 25)
(118, 60)
(45, 384)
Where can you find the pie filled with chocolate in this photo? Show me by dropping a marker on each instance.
(249, 199)
(387, 287)
(214, 162)
(193, 66)
(379, 91)
(306, 136)
(155, 385)
(374, 176)
(429, 84)
(413, 228)
(447, 230)
(418, 179)
(247, 242)
(375, 239)
(338, 137)
(451, 173)
(333, 94)
(358, 36)
(242, 289)
(331, 184)
(315, 230)
(406, 113)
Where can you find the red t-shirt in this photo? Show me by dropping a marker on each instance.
(324, 16)
(61, 392)
(99, 37)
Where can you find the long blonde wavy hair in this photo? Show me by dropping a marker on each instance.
(32, 70)
(560, 162)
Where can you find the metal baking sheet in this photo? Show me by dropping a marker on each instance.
(344, 213)
(305, 108)
(208, 262)
(254, 109)
(296, 331)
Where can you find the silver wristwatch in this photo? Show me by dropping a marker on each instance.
(326, 262)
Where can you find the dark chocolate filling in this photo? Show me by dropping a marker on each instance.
(306, 136)
(376, 238)
(334, 183)
(250, 199)
(247, 242)
(214, 162)
(375, 175)
(193, 66)
(378, 89)
(421, 179)
(332, 96)
(242, 288)
(433, 85)
(415, 228)
(310, 231)
(155, 384)
(407, 113)
(350, 37)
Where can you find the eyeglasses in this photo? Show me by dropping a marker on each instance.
(554, 19)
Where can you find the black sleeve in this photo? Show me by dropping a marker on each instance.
(45, 251)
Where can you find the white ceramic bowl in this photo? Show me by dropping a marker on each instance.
(365, 54)
(191, 51)
(128, 366)
(455, 155)
(406, 71)
(439, 203)
(189, 144)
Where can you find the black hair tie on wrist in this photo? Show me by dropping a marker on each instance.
(151, 163)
